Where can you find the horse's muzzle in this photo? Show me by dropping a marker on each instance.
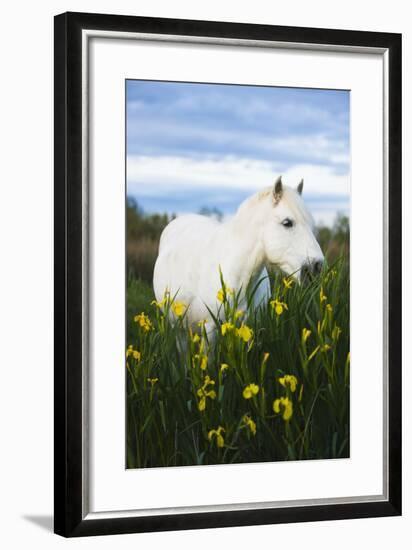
(310, 270)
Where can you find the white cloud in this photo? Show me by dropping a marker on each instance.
(158, 175)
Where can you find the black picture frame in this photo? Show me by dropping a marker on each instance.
(69, 488)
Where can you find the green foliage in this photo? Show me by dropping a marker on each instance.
(274, 384)
(143, 235)
(334, 241)
(139, 297)
(141, 225)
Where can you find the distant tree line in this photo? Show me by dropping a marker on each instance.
(334, 241)
(142, 240)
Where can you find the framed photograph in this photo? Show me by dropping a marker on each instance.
(227, 274)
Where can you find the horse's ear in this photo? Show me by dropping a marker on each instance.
(278, 190)
(300, 187)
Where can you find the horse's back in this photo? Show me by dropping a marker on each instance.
(182, 250)
(185, 230)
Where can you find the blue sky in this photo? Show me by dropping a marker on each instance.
(208, 145)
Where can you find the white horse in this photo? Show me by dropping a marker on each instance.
(270, 228)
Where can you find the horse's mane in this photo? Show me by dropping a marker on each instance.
(289, 195)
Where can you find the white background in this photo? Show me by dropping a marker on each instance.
(113, 487)
(26, 274)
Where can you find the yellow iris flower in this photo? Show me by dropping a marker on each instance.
(278, 306)
(265, 357)
(239, 313)
(161, 303)
(336, 332)
(178, 308)
(227, 327)
(244, 332)
(288, 283)
(203, 362)
(250, 424)
(220, 442)
(203, 393)
(224, 293)
(250, 391)
(143, 321)
(305, 334)
(289, 380)
(283, 406)
(134, 353)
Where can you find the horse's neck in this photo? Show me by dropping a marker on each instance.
(246, 258)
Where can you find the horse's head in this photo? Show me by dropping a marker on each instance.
(288, 238)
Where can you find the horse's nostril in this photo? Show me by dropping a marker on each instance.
(311, 270)
(317, 266)
(306, 272)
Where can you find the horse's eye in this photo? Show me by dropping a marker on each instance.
(287, 222)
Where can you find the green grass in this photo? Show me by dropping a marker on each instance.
(139, 297)
(183, 408)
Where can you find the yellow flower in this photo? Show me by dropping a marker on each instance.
(283, 406)
(239, 313)
(322, 296)
(289, 380)
(203, 393)
(202, 323)
(153, 381)
(331, 275)
(265, 357)
(305, 334)
(287, 282)
(278, 306)
(227, 327)
(224, 293)
(178, 308)
(244, 332)
(144, 322)
(336, 332)
(203, 362)
(220, 442)
(223, 367)
(329, 308)
(195, 338)
(160, 304)
(250, 391)
(202, 359)
(250, 424)
(133, 352)
(325, 347)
